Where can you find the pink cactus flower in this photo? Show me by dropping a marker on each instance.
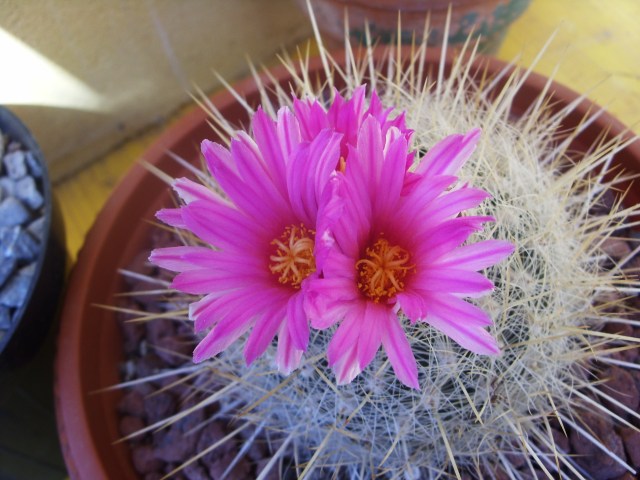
(258, 248)
(345, 116)
(398, 246)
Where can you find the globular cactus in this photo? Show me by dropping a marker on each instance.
(475, 414)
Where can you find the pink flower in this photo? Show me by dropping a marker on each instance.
(345, 116)
(398, 246)
(258, 247)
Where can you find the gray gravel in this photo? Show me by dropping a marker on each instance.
(21, 226)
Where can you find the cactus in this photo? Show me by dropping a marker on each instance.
(474, 413)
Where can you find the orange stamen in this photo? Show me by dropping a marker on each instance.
(382, 272)
(342, 165)
(293, 259)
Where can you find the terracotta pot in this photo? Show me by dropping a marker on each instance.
(89, 346)
(488, 19)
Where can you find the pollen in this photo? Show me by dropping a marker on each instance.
(342, 165)
(292, 260)
(382, 271)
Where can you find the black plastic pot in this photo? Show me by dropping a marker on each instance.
(31, 321)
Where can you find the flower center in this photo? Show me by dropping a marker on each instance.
(293, 259)
(382, 271)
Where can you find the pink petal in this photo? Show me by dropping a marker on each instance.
(450, 234)
(207, 264)
(355, 222)
(232, 261)
(346, 115)
(179, 259)
(411, 156)
(215, 154)
(246, 301)
(337, 264)
(232, 315)
(297, 322)
(376, 109)
(474, 339)
(419, 193)
(463, 323)
(263, 332)
(308, 174)
(374, 322)
(288, 132)
(202, 308)
(477, 256)
(287, 356)
(325, 150)
(390, 182)
(345, 338)
(455, 310)
(224, 227)
(268, 144)
(262, 200)
(253, 197)
(222, 335)
(412, 305)
(451, 204)
(399, 352)
(390, 136)
(382, 115)
(346, 368)
(311, 117)
(330, 210)
(190, 191)
(328, 299)
(202, 281)
(470, 284)
(171, 217)
(367, 167)
(448, 155)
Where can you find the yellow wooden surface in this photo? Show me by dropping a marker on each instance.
(596, 46)
(81, 196)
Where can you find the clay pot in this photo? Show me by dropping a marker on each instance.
(90, 343)
(488, 19)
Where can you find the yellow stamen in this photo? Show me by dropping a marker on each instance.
(381, 273)
(342, 165)
(293, 259)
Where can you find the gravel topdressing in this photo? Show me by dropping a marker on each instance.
(22, 225)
